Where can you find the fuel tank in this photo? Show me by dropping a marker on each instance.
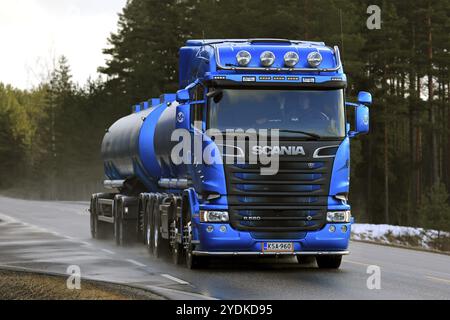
(139, 146)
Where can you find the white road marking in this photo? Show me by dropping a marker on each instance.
(357, 263)
(180, 295)
(66, 260)
(108, 251)
(447, 281)
(168, 276)
(31, 242)
(136, 263)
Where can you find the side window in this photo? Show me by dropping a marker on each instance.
(197, 109)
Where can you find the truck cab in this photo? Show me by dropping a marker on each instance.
(297, 88)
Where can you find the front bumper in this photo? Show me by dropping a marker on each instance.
(299, 253)
(237, 243)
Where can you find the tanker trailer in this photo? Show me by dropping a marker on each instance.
(181, 186)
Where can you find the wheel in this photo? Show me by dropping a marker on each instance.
(148, 228)
(192, 261)
(329, 262)
(141, 220)
(124, 229)
(158, 241)
(99, 229)
(176, 248)
(304, 260)
(117, 222)
(93, 217)
(195, 262)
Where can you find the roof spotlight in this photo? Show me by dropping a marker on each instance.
(314, 59)
(291, 58)
(267, 58)
(243, 58)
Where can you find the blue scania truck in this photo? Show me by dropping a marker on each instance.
(193, 210)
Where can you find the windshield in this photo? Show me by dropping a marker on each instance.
(309, 113)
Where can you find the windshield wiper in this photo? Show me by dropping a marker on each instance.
(310, 134)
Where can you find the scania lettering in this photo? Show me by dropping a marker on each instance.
(288, 151)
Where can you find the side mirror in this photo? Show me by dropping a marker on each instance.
(362, 114)
(183, 96)
(362, 122)
(365, 98)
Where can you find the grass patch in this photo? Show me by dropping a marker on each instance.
(29, 286)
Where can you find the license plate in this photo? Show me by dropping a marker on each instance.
(277, 247)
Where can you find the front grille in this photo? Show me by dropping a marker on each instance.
(293, 200)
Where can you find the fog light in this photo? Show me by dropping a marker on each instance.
(210, 229)
(332, 229)
(223, 229)
(344, 229)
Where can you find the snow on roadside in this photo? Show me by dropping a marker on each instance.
(396, 235)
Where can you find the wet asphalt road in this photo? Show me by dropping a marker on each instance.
(51, 236)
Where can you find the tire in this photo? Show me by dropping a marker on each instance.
(305, 260)
(176, 249)
(195, 262)
(117, 222)
(99, 230)
(329, 262)
(104, 230)
(148, 228)
(93, 217)
(192, 262)
(158, 241)
(125, 230)
(141, 220)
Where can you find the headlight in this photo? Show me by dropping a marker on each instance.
(339, 216)
(267, 58)
(314, 59)
(214, 216)
(291, 59)
(243, 58)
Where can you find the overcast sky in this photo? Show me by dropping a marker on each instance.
(34, 32)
